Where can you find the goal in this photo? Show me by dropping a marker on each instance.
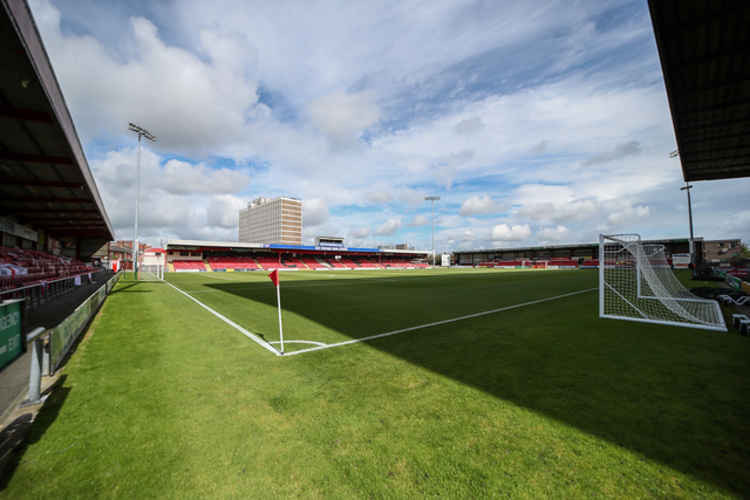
(636, 283)
(151, 272)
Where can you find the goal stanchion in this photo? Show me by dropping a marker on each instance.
(636, 283)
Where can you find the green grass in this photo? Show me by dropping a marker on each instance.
(337, 306)
(165, 400)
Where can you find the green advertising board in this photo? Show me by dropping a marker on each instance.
(10, 331)
(64, 335)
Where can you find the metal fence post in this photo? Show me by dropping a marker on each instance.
(35, 371)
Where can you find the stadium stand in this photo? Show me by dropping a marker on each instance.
(292, 262)
(349, 263)
(189, 265)
(52, 216)
(562, 263)
(312, 262)
(240, 256)
(269, 262)
(232, 263)
(369, 263)
(398, 264)
(24, 267)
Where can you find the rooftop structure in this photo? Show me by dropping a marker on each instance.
(703, 50)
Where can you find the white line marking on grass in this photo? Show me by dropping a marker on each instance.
(299, 342)
(231, 323)
(436, 323)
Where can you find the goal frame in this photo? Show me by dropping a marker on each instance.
(154, 269)
(640, 295)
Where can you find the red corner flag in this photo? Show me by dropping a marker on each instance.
(274, 277)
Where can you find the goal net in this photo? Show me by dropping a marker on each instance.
(152, 272)
(636, 283)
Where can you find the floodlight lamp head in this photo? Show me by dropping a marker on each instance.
(142, 132)
(432, 198)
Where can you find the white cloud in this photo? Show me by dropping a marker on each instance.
(178, 199)
(360, 233)
(469, 125)
(314, 212)
(223, 211)
(504, 232)
(190, 104)
(379, 197)
(558, 233)
(343, 117)
(419, 220)
(379, 104)
(628, 214)
(389, 227)
(478, 205)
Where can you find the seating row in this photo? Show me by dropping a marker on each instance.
(23, 267)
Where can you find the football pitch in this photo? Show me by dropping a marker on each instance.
(496, 383)
(334, 309)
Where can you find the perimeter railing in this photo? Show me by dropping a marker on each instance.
(38, 293)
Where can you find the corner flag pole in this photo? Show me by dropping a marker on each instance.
(275, 278)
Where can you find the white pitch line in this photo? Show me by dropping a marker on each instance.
(231, 323)
(299, 342)
(436, 323)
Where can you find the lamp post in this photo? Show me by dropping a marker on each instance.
(433, 199)
(687, 187)
(142, 132)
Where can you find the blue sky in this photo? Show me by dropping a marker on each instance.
(535, 122)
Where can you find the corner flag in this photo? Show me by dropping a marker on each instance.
(275, 278)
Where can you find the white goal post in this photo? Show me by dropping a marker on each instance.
(636, 283)
(151, 272)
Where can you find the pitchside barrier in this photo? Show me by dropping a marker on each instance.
(47, 356)
(64, 335)
(40, 293)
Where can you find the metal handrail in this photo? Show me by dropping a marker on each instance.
(14, 290)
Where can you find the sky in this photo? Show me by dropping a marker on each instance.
(536, 123)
